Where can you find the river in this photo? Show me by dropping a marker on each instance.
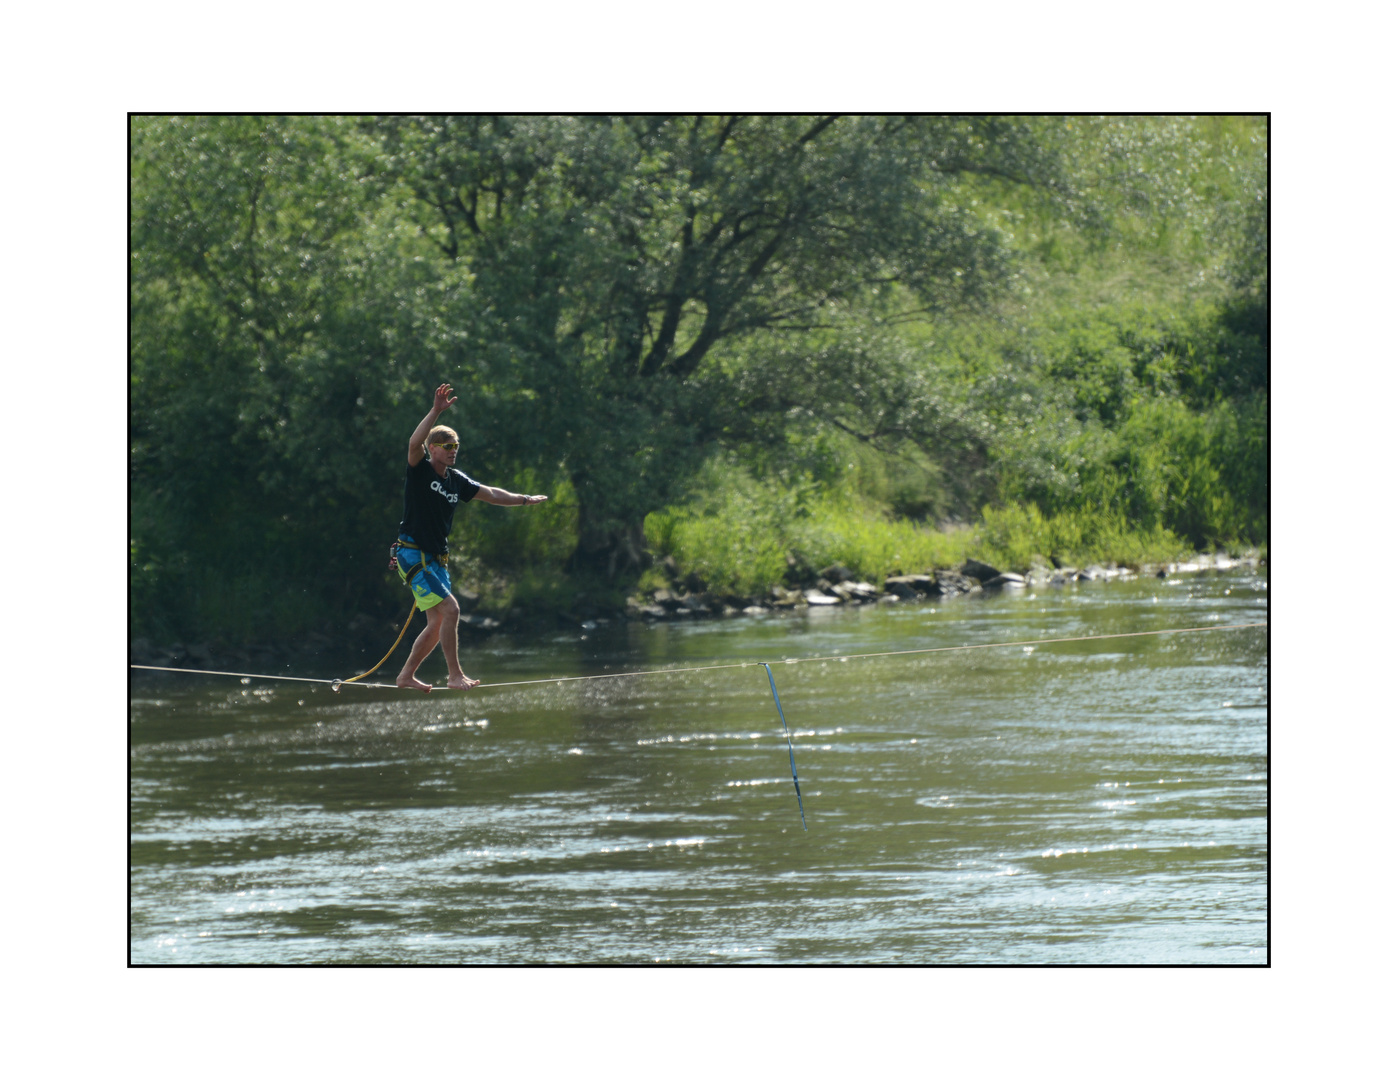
(1087, 802)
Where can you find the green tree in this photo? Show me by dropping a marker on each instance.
(617, 298)
(612, 268)
(266, 368)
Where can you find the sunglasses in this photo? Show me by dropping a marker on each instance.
(447, 445)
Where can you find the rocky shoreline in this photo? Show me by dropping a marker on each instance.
(834, 586)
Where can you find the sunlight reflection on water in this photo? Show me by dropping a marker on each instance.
(1058, 803)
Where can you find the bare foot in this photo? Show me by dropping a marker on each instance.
(462, 682)
(412, 682)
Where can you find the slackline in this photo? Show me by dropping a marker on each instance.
(336, 684)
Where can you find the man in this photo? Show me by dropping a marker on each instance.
(430, 495)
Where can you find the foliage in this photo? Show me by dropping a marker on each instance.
(1115, 425)
(730, 339)
(731, 533)
(1016, 536)
(738, 540)
(608, 257)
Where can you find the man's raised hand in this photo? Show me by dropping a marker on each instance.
(443, 400)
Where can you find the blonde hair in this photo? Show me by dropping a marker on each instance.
(439, 435)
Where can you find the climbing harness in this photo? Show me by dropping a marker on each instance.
(412, 571)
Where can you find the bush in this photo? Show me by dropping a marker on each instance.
(732, 539)
(870, 542)
(539, 537)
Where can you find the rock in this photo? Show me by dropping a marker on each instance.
(900, 589)
(695, 604)
(590, 624)
(950, 583)
(786, 598)
(845, 591)
(651, 611)
(666, 599)
(923, 584)
(982, 572)
(754, 609)
(1161, 573)
(861, 591)
(478, 622)
(816, 598)
(837, 573)
(1003, 581)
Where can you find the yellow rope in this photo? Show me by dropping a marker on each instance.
(337, 683)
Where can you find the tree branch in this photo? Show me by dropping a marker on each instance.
(674, 302)
(819, 127)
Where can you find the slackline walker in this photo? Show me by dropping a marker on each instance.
(336, 684)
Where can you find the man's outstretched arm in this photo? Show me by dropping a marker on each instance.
(501, 497)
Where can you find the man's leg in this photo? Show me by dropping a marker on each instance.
(456, 678)
(425, 643)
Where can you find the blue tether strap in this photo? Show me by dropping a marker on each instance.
(790, 752)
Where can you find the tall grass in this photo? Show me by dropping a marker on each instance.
(739, 544)
(733, 539)
(1014, 537)
(870, 542)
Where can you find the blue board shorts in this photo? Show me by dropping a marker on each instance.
(432, 584)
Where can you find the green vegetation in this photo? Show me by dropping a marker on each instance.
(740, 344)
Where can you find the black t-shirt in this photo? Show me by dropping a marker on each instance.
(429, 501)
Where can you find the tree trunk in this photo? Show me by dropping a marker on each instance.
(608, 548)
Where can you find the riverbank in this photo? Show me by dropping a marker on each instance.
(834, 586)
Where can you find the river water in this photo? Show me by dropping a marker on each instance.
(1089, 802)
